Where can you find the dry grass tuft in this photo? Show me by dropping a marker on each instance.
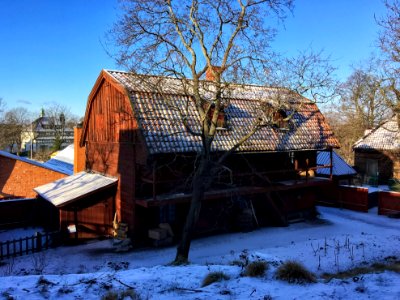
(214, 277)
(294, 272)
(256, 269)
(127, 294)
(355, 272)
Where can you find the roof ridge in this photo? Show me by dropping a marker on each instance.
(203, 80)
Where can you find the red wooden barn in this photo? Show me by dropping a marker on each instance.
(135, 134)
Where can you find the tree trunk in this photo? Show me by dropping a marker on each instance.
(201, 182)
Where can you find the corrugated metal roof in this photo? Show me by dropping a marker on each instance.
(340, 167)
(160, 117)
(66, 190)
(383, 137)
(35, 163)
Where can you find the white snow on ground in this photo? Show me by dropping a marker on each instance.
(339, 240)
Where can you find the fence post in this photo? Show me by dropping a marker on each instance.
(20, 246)
(46, 244)
(38, 241)
(8, 249)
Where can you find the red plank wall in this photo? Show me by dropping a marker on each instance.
(18, 178)
(389, 203)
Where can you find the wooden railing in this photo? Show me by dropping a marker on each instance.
(32, 244)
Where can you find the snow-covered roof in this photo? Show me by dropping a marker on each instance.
(160, 114)
(35, 163)
(63, 160)
(384, 137)
(66, 190)
(340, 167)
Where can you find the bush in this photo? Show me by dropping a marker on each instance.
(256, 269)
(214, 277)
(294, 272)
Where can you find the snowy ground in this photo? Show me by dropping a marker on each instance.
(339, 240)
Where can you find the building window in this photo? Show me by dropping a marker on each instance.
(280, 119)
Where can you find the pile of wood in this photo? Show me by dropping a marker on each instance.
(161, 236)
(120, 233)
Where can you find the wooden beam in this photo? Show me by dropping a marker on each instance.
(180, 198)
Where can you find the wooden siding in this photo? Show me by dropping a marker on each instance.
(354, 198)
(94, 215)
(388, 163)
(110, 135)
(389, 203)
(28, 212)
(110, 116)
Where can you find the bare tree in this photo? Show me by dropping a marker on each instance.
(60, 121)
(362, 104)
(14, 122)
(229, 40)
(2, 108)
(309, 73)
(389, 43)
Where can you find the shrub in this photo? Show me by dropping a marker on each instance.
(256, 269)
(214, 277)
(294, 272)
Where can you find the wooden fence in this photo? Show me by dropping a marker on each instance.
(28, 212)
(389, 203)
(32, 244)
(354, 198)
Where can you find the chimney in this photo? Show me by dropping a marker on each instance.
(79, 152)
(210, 74)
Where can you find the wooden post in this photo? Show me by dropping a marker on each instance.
(38, 241)
(307, 165)
(8, 249)
(331, 161)
(154, 182)
(76, 222)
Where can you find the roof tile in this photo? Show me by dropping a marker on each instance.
(159, 117)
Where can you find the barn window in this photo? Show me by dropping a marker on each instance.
(222, 123)
(280, 119)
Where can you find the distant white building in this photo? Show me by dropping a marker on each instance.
(42, 133)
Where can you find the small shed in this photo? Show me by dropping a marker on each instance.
(92, 215)
(377, 154)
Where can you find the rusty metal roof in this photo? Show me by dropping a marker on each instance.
(66, 190)
(384, 137)
(160, 116)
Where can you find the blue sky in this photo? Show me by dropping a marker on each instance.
(52, 50)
